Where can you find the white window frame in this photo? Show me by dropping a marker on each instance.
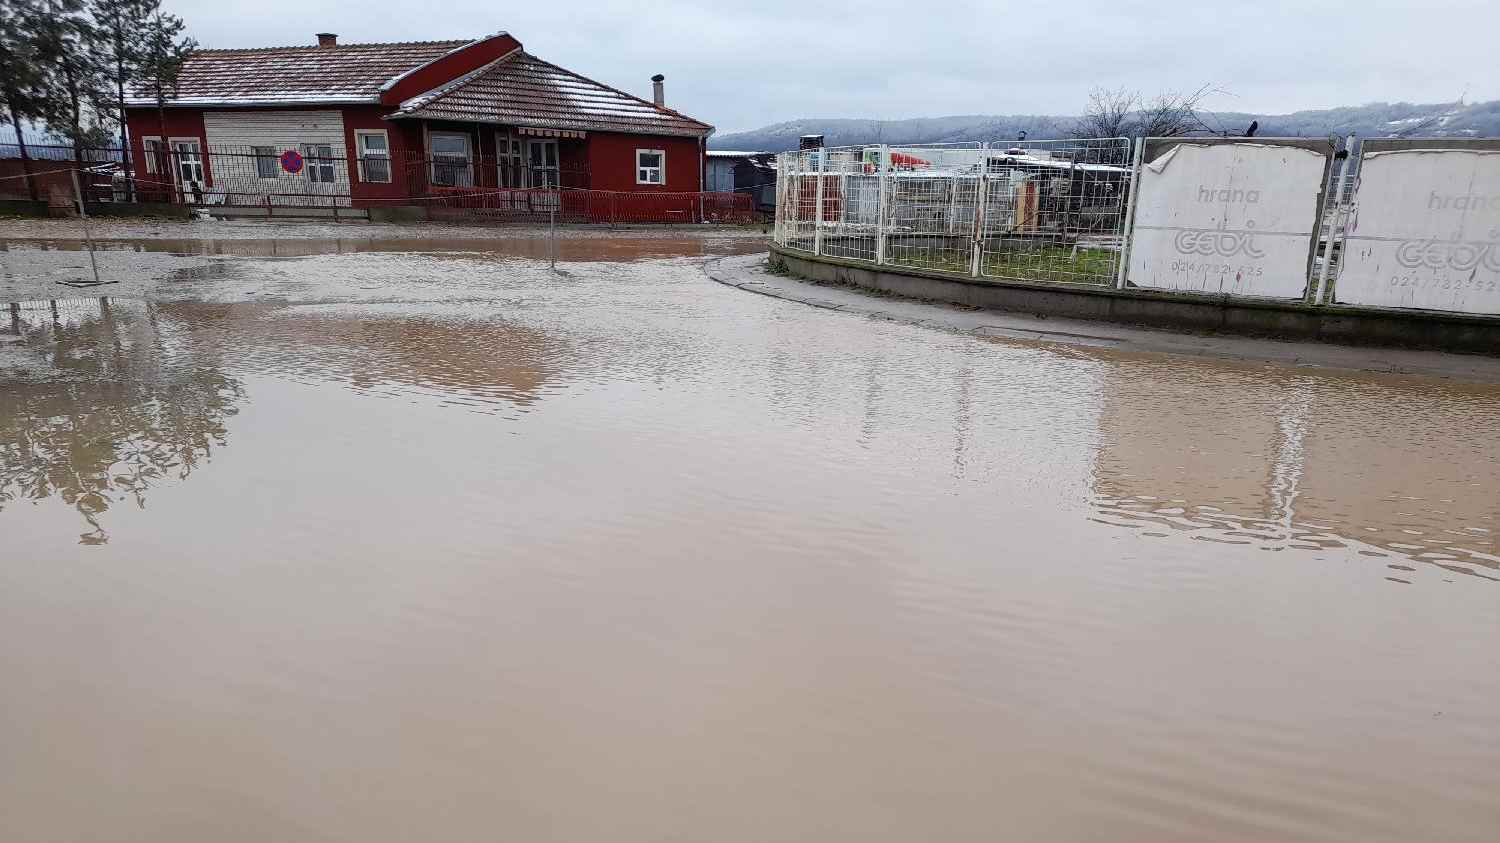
(315, 166)
(359, 147)
(468, 166)
(661, 171)
(510, 155)
(146, 141)
(274, 158)
(198, 161)
(540, 174)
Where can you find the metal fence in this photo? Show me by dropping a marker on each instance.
(477, 188)
(1038, 211)
(1407, 224)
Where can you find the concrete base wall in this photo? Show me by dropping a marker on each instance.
(1181, 311)
(397, 213)
(278, 213)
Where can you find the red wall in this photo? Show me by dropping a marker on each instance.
(181, 123)
(450, 67)
(58, 181)
(608, 156)
(405, 139)
(611, 161)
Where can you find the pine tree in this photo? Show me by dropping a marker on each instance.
(162, 60)
(123, 26)
(21, 78)
(73, 85)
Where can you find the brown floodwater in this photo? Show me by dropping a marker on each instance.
(622, 554)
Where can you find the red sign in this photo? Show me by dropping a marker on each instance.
(291, 161)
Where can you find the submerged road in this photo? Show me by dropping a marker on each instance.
(359, 540)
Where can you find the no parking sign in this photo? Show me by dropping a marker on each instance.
(291, 161)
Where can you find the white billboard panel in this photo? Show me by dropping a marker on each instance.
(1425, 232)
(1235, 218)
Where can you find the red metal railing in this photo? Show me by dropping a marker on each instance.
(478, 188)
(589, 206)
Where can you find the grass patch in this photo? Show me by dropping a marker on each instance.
(1056, 264)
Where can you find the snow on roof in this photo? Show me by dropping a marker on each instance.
(347, 73)
(521, 89)
(733, 153)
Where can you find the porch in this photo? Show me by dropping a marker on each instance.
(457, 158)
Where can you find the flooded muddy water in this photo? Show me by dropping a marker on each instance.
(475, 550)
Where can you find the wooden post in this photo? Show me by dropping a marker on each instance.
(83, 214)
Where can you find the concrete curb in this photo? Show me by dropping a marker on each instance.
(1164, 310)
(750, 273)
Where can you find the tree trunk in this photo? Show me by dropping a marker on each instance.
(15, 122)
(75, 112)
(164, 163)
(117, 36)
(124, 140)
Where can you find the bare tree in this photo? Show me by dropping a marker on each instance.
(1173, 114)
(1110, 114)
(1122, 113)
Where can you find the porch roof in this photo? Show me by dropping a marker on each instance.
(522, 90)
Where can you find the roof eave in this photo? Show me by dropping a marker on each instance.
(582, 126)
(251, 102)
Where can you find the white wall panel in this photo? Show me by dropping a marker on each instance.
(232, 134)
(1227, 218)
(1425, 232)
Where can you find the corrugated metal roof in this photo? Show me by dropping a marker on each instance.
(272, 75)
(523, 90)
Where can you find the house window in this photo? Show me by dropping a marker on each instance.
(508, 160)
(650, 166)
(266, 165)
(318, 162)
(542, 170)
(450, 160)
(188, 155)
(374, 155)
(154, 153)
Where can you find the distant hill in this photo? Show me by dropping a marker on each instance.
(1368, 121)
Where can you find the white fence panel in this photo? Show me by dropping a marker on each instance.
(1426, 232)
(1234, 218)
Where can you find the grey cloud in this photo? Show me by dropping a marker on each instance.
(743, 65)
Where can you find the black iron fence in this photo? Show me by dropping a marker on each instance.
(324, 176)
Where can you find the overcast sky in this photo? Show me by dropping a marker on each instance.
(743, 65)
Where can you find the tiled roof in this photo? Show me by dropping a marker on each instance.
(523, 90)
(346, 73)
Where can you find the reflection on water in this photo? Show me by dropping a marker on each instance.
(1269, 458)
(487, 364)
(104, 397)
(98, 408)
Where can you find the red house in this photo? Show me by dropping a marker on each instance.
(479, 123)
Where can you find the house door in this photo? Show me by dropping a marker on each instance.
(541, 163)
(188, 157)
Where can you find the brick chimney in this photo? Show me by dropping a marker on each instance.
(659, 89)
(327, 40)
